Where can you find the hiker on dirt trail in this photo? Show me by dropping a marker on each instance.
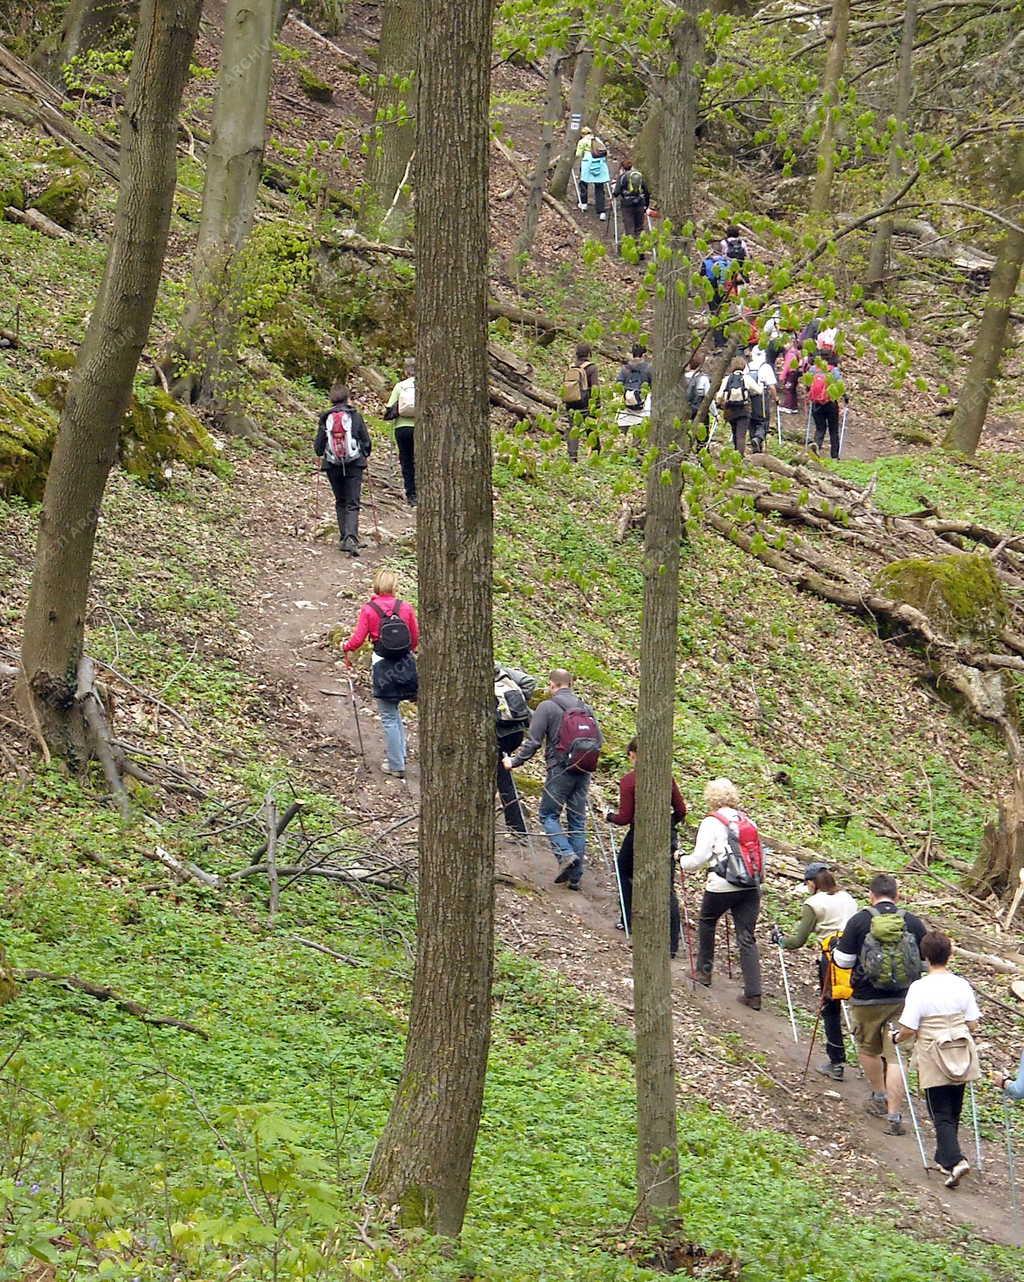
(512, 691)
(698, 383)
(624, 817)
(728, 842)
(577, 386)
(391, 625)
(592, 154)
(881, 945)
(636, 376)
(762, 402)
(789, 377)
(572, 742)
(401, 410)
(734, 397)
(715, 270)
(825, 913)
(343, 446)
(1012, 1087)
(824, 391)
(633, 195)
(734, 248)
(940, 1015)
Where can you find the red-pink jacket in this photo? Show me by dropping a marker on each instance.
(368, 623)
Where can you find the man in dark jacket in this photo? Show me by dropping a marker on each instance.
(343, 445)
(874, 1009)
(636, 376)
(632, 192)
(512, 717)
(564, 788)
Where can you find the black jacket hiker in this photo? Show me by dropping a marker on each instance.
(635, 197)
(345, 477)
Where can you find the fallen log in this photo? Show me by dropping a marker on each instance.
(524, 181)
(104, 993)
(38, 222)
(933, 244)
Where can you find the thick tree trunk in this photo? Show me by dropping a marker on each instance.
(234, 165)
(425, 1155)
(647, 150)
(657, 1154)
(394, 132)
(1000, 861)
(101, 382)
(972, 403)
(559, 184)
(839, 31)
(89, 24)
(535, 196)
(901, 110)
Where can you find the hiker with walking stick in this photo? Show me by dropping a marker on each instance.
(1013, 1089)
(343, 447)
(940, 1016)
(729, 845)
(623, 818)
(512, 691)
(826, 911)
(881, 946)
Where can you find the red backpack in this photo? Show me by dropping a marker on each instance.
(342, 446)
(819, 393)
(579, 740)
(743, 862)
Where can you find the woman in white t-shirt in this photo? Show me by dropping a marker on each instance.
(941, 1013)
(826, 912)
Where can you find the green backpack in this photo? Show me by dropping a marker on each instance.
(890, 958)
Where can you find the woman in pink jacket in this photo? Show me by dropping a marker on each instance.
(391, 625)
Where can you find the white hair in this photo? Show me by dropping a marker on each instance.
(721, 792)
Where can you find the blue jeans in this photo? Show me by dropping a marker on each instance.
(565, 789)
(394, 732)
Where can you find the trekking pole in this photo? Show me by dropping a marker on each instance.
(842, 429)
(1011, 1174)
(615, 868)
(910, 1102)
(810, 1049)
(355, 713)
(373, 505)
(778, 420)
(316, 495)
(576, 185)
(977, 1132)
(687, 927)
(789, 996)
(807, 429)
(522, 815)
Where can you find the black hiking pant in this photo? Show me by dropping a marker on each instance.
(740, 427)
(347, 486)
(599, 194)
(744, 906)
(826, 419)
(634, 218)
(515, 821)
(831, 1018)
(945, 1104)
(624, 863)
(407, 460)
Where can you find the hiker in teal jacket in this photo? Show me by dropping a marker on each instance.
(593, 157)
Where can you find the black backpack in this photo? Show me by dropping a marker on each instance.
(735, 249)
(395, 640)
(633, 187)
(694, 396)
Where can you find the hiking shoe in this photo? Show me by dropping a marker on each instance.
(396, 774)
(603, 217)
(583, 208)
(350, 546)
(894, 1125)
(703, 980)
(875, 1107)
(575, 885)
(958, 1172)
(566, 868)
(834, 1071)
(753, 1002)
(411, 501)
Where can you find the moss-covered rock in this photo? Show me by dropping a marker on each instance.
(302, 351)
(27, 433)
(63, 199)
(160, 431)
(58, 358)
(52, 389)
(961, 594)
(313, 86)
(12, 194)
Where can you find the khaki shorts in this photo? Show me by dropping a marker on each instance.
(871, 1027)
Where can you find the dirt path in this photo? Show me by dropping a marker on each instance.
(740, 1060)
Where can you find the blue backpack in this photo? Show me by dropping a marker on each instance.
(716, 268)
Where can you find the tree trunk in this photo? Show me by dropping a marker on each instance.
(901, 110)
(234, 165)
(821, 197)
(101, 383)
(393, 136)
(647, 150)
(559, 184)
(425, 1155)
(657, 1153)
(972, 403)
(89, 24)
(552, 114)
(1001, 858)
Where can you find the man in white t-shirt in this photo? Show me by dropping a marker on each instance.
(762, 403)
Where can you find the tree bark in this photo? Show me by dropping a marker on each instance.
(394, 132)
(535, 197)
(425, 1155)
(1001, 857)
(559, 184)
(657, 1152)
(901, 110)
(839, 30)
(234, 164)
(101, 382)
(972, 403)
(648, 144)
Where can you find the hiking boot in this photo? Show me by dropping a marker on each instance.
(894, 1124)
(350, 545)
(834, 1071)
(411, 501)
(703, 980)
(566, 868)
(753, 1002)
(875, 1106)
(958, 1172)
(575, 885)
(395, 774)
(603, 217)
